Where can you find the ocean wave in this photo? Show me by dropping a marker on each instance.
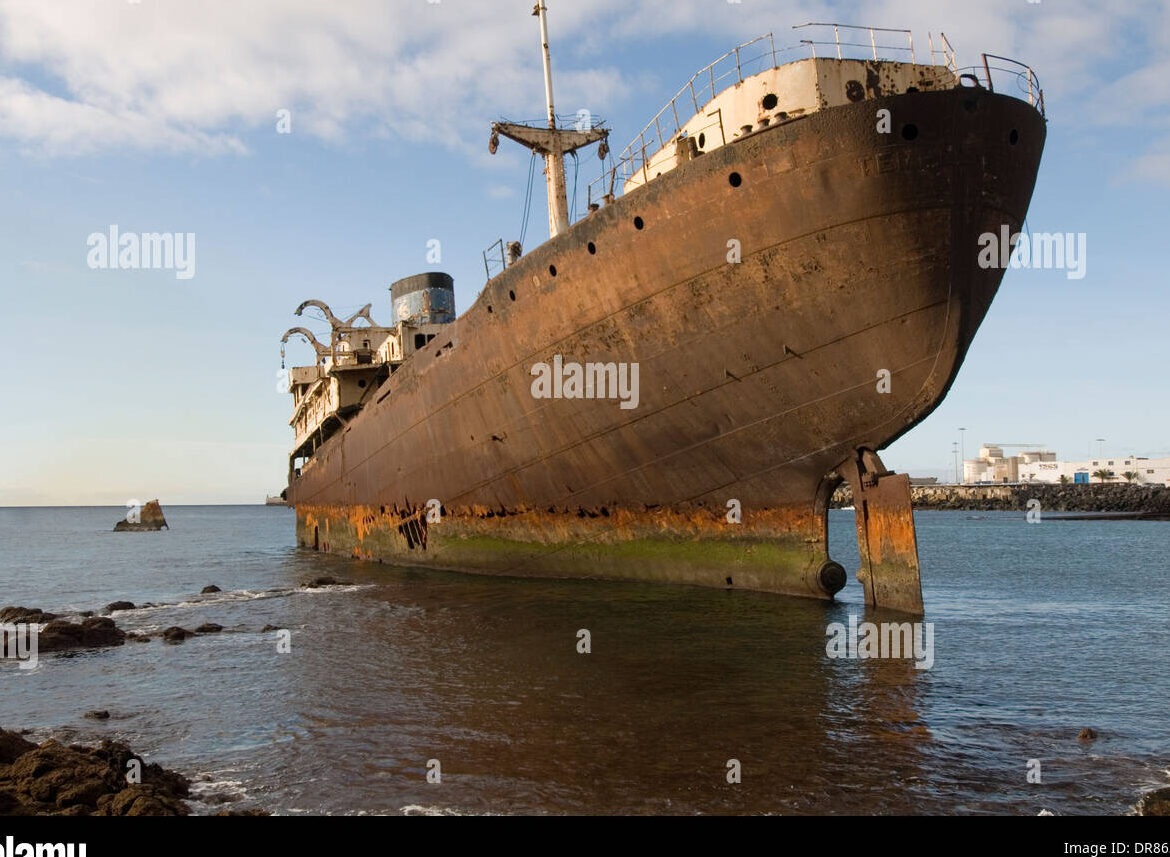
(419, 809)
(236, 595)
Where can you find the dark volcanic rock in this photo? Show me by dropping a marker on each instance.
(12, 747)
(318, 582)
(14, 615)
(141, 800)
(175, 634)
(267, 628)
(207, 590)
(98, 714)
(54, 779)
(209, 628)
(1155, 803)
(119, 605)
(92, 633)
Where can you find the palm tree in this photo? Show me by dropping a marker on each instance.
(1064, 480)
(1131, 475)
(1103, 474)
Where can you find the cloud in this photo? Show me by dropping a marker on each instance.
(78, 76)
(40, 266)
(1153, 165)
(59, 125)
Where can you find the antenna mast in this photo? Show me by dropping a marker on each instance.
(541, 10)
(553, 143)
(554, 161)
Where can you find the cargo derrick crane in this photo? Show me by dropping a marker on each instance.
(552, 143)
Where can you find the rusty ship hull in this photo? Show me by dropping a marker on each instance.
(760, 379)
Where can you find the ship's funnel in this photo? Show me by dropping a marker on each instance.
(424, 298)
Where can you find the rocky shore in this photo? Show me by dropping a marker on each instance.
(1131, 500)
(110, 779)
(53, 778)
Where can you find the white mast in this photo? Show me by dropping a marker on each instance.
(542, 10)
(554, 161)
(552, 143)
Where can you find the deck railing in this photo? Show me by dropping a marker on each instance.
(871, 44)
(1015, 78)
(754, 56)
(494, 260)
(742, 61)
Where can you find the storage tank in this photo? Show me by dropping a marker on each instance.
(424, 298)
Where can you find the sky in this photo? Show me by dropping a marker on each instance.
(162, 116)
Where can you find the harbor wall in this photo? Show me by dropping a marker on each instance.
(1107, 497)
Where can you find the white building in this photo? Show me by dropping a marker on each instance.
(1041, 466)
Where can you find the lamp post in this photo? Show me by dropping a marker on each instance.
(963, 453)
(955, 451)
(1100, 447)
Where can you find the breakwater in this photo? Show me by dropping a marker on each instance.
(1146, 500)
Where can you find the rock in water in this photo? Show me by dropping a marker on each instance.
(318, 582)
(150, 517)
(16, 615)
(175, 634)
(1087, 734)
(208, 590)
(119, 605)
(92, 633)
(209, 628)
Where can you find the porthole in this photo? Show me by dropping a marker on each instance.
(1014, 137)
(592, 248)
(770, 101)
(552, 270)
(702, 139)
(638, 223)
(490, 308)
(909, 131)
(735, 179)
(511, 295)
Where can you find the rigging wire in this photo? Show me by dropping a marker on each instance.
(576, 168)
(528, 199)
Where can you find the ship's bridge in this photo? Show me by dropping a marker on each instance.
(360, 356)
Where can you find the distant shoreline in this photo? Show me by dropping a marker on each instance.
(122, 507)
(1112, 500)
